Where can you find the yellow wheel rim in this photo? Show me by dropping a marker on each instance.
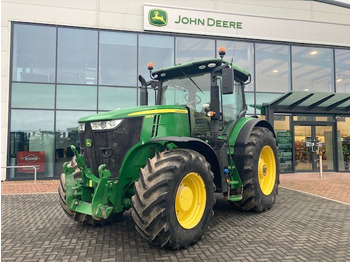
(267, 170)
(190, 200)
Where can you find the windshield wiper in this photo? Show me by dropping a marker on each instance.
(192, 81)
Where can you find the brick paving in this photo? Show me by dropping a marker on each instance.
(26, 187)
(299, 227)
(334, 186)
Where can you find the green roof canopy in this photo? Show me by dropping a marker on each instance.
(317, 103)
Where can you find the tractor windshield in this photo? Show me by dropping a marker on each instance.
(193, 91)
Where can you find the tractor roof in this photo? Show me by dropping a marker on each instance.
(201, 66)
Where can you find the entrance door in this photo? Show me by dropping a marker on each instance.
(311, 142)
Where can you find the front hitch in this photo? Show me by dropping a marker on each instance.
(88, 194)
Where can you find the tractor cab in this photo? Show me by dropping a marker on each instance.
(212, 90)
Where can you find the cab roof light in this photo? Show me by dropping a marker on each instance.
(150, 68)
(222, 52)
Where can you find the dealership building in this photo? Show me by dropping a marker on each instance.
(62, 60)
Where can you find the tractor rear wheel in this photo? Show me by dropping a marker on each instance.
(261, 172)
(174, 198)
(79, 217)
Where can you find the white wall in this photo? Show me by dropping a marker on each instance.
(128, 15)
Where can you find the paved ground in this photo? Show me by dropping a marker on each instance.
(300, 227)
(334, 186)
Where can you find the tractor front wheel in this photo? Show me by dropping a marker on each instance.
(261, 172)
(174, 198)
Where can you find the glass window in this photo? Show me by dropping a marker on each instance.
(272, 68)
(110, 98)
(342, 70)
(33, 95)
(118, 58)
(312, 69)
(249, 99)
(77, 56)
(233, 104)
(193, 49)
(241, 54)
(67, 135)
(76, 97)
(34, 52)
(32, 142)
(343, 135)
(156, 49)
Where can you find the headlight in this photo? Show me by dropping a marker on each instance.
(81, 127)
(105, 125)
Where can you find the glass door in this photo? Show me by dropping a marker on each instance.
(303, 155)
(311, 142)
(324, 137)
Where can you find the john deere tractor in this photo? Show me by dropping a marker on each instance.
(165, 162)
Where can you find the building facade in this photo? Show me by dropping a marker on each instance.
(68, 59)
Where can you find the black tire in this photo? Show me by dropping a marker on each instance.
(79, 217)
(254, 199)
(157, 190)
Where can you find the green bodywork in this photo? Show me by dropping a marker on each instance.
(99, 196)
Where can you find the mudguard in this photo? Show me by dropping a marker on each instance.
(241, 139)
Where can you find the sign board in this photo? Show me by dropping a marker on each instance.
(31, 158)
(285, 148)
(218, 23)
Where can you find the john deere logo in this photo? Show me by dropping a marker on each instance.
(157, 17)
(88, 142)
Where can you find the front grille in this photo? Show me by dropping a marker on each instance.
(110, 146)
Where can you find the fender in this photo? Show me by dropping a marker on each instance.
(201, 147)
(242, 139)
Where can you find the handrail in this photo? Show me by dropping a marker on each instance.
(23, 167)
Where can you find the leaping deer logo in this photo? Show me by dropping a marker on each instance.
(158, 17)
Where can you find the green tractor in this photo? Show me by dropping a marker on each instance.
(165, 162)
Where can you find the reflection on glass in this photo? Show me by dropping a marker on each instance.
(33, 96)
(111, 98)
(241, 54)
(34, 51)
(272, 68)
(342, 70)
(76, 97)
(156, 49)
(343, 134)
(192, 49)
(118, 58)
(77, 56)
(31, 142)
(312, 69)
(66, 135)
(264, 98)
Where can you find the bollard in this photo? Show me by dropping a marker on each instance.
(321, 166)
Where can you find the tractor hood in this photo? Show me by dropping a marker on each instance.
(134, 112)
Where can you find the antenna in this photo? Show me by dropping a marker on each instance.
(234, 47)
